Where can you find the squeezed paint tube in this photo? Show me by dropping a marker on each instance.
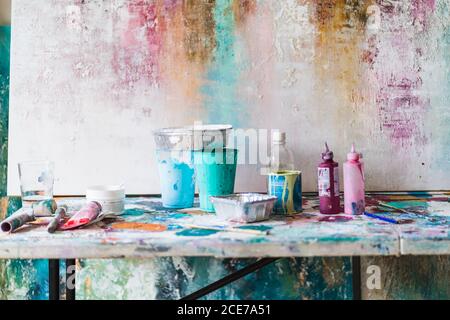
(86, 215)
(60, 213)
(17, 220)
(44, 208)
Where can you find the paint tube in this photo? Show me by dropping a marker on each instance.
(86, 215)
(17, 220)
(59, 215)
(45, 208)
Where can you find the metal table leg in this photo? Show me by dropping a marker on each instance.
(356, 277)
(230, 278)
(53, 279)
(70, 279)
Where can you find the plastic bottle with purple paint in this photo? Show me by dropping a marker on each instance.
(354, 202)
(328, 183)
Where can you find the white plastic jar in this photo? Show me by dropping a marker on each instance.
(112, 198)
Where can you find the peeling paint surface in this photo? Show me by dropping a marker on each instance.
(371, 72)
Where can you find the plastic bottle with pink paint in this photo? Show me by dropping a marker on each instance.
(328, 183)
(354, 202)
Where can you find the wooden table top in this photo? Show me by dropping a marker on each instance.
(152, 231)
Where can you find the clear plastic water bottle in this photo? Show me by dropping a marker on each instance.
(281, 157)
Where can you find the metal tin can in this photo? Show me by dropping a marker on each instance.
(287, 187)
(244, 207)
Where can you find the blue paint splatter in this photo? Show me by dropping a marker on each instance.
(164, 217)
(172, 227)
(178, 215)
(259, 228)
(258, 240)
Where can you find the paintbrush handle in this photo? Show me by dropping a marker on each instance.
(392, 207)
(386, 219)
(60, 213)
(16, 220)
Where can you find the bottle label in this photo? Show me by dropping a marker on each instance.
(336, 181)
(324, 182)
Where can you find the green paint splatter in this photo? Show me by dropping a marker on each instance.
(5, 40)
(258, 240)
(410, 204)
(134, 212)
(23, 279)
(259, 228)
(420, 194)
(196, 232)
(179, 215)
(221, 88)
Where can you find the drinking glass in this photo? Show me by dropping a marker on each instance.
(36, 181)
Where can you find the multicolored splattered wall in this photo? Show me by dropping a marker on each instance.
(98, 74)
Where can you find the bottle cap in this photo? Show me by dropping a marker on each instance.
(327, 155)
(353, 155)
(278, 136)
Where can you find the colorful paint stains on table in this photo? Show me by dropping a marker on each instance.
(431, 211)
(148, 230)
(305, 234)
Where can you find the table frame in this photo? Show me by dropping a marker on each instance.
(54, 283)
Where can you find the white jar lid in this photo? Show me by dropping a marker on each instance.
(110, 192)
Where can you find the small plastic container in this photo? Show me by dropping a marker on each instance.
(111, 198)
(244, 207)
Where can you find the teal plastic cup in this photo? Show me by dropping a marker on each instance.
(215, 173)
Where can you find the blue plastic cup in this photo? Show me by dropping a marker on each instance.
(177, 178)
(176, 167)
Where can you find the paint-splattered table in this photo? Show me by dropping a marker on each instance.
(148, 230)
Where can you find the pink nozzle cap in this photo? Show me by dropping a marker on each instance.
(353, 155)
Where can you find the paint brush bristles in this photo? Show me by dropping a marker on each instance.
(227, 229)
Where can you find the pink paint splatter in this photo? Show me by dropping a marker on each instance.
(136, 56)
(400, 99)
(421, 10)
(401, 109)
(337, 218)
